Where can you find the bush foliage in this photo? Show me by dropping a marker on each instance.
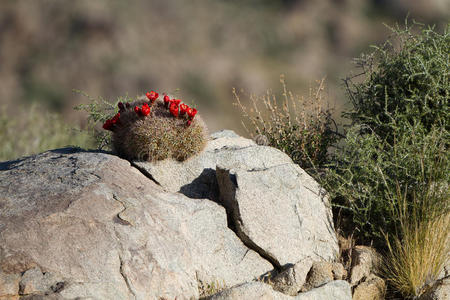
(99, 110)
(399, 133)
(366, 171)
(391, 173)
(405, 80)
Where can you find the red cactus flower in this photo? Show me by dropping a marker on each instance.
(166, 101)
(137, 110)
(108, 125)
(176, 101)
(116, 119)
(145, 110)
(191, 112)
(121, 106)
(152, 96)
(189, 122)
(183, 108)
(173, 109)
(128, 105)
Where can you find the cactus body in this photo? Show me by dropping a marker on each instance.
(157, 135)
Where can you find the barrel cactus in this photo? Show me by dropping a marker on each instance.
(151, 129)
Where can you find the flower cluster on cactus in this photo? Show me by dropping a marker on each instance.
(176, 109)
(151, 129)
(144, 110)
(152, 96)
(109, 124)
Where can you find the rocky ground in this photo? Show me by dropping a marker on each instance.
(238, 221)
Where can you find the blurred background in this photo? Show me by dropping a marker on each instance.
(203, 48)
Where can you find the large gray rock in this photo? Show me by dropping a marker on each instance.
(275, 207)
(80, 224)
(76, 224)
(280, 212)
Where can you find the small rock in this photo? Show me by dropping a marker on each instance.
(373, 288)
(335, 290)
(250, 290)
(339, 272)
(34, 281)
(9, 284)
(321, 272)
(365, 260)
(291, 280)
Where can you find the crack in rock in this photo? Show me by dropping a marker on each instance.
(118, 218)
(266, 168)
(228, 185)
(127, 281)
(121, 247)
(145, 173)
(225, 199)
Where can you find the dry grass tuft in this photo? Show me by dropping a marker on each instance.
(209, 289)
(417, 255)
(301, 127)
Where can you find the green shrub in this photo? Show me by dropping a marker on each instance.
(301, 127)
(367, 170)
(30, 130)
(406, 79)
(100, 110)
(399, 134)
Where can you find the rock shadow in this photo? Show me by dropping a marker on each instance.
(205, 186)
